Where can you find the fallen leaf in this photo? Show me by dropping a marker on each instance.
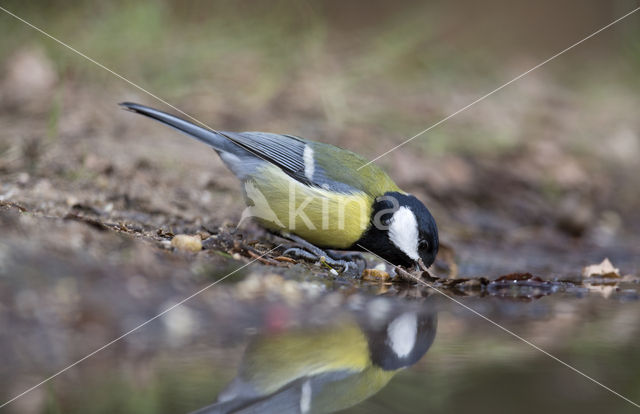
(604, 269)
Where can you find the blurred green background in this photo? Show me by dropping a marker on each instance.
(323, 67)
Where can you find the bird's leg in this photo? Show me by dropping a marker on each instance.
(300, 253)
(312, 252)
(310, 249)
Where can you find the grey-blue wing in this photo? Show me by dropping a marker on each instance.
(288, 153)
(289, 399)
(284, 151)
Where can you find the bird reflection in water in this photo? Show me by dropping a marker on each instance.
(327, 368)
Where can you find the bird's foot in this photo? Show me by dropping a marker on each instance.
(337, 262)
(335, 266)
(299, 253)
(348, 256)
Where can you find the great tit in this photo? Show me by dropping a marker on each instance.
(319, 192)
(328, 368)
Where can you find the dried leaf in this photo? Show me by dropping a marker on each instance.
(604, 269)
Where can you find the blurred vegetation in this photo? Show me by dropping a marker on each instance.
(375, 63)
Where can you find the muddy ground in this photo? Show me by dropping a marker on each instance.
(535, 207)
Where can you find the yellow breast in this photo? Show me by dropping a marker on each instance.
(320, 216)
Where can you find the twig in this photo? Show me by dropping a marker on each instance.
(260, 258)
(285, 259)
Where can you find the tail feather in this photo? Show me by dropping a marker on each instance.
(213, 138)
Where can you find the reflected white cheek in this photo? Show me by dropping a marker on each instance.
(402, 334)
(403, 232)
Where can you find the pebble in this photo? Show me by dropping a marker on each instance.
(187, 243)
(375, 275)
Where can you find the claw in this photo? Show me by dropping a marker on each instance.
(348, 256)
(345, 262)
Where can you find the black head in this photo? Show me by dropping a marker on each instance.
(402, 230)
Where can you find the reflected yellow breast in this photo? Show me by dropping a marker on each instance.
(272, 361)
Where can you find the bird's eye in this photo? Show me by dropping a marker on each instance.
(423, 244)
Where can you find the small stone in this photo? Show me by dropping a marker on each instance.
(187, 243)
(375, 275)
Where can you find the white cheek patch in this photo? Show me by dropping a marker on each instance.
(402, 333)
(309, 164)
(403, 232)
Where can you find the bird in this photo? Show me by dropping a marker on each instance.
(328, 367)
(319, 195)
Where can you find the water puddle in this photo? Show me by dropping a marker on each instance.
(272, 343)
